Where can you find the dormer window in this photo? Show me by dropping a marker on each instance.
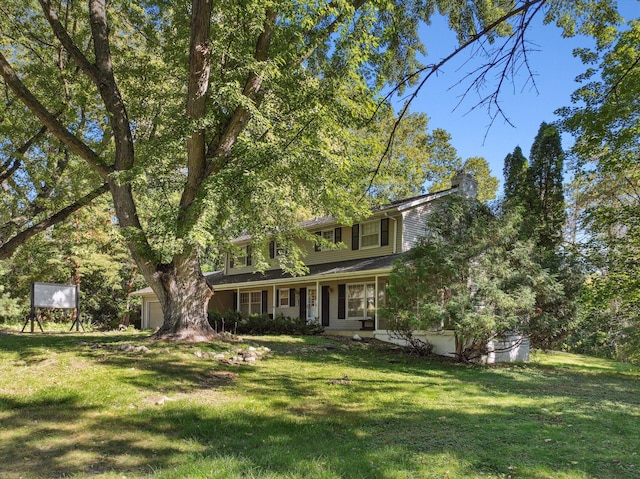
(241, 261)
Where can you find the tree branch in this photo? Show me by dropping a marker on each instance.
(9, 247)
(241, 116)
(67, 42)
(196, 108)
(13, 163)
(434, 68)
(316, 38)
(50, 121)
(106, 82)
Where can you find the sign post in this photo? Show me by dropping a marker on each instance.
(59, 296)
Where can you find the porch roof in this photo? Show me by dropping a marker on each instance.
(317, 272)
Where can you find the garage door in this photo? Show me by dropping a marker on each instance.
(155, 315)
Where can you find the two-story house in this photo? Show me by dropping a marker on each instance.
(344, 286)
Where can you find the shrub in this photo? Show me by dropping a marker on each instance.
(235, 322)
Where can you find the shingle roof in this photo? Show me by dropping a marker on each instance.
(398, 205)
(315, 271)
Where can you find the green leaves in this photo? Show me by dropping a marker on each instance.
(469, 273)
(605, 122)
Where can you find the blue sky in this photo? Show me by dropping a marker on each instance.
(554, 68)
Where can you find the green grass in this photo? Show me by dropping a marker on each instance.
(69, 408)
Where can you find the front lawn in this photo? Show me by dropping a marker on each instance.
(102, 405)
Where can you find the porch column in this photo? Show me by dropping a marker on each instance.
(375, 303)
(238, 299)
(273, 302)
(318, 302)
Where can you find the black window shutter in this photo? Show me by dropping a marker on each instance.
(337, 235)
(303, 303)
(248, 255)
(317, 246)
(231, 261)
(272, 249)
(265, 296)
(325, 305)
(235, 301)
(292, 297)
(342, 301)
(355, 237)
(277, 297)
(384, 231)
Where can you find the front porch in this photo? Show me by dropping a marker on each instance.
(341, 306)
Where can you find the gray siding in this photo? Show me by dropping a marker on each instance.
(413, 225)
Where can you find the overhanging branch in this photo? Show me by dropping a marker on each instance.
(9, 247)
(434, 68)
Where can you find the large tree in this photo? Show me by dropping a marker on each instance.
(515, 177)
(535, 189)
(206, 119)
(605, 121)
(545, 214)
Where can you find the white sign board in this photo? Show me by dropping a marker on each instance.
(47, 295)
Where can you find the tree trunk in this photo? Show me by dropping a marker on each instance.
(184, 296)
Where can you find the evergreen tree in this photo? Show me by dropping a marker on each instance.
(470, 274)
(544, 213)
(536, 189)
(515, 171)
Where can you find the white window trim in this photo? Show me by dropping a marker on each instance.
(361, 229)
(240, 261)
(332, 239)
(281, 295)
(364, 285)
(240, 303)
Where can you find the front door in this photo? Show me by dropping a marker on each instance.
(312, 306)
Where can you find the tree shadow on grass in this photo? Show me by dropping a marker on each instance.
(308, 426)
(330, 440)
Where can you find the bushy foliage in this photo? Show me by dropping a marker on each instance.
(533, 188)
(470, 274)
(10, 308)
(605, 121)
(237, 323)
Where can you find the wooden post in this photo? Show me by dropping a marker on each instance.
(32, 314)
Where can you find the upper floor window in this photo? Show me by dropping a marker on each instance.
(333, 235)
(276, 251)
(370, 234)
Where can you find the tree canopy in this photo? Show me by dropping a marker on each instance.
(605, 121)
(206, 119)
